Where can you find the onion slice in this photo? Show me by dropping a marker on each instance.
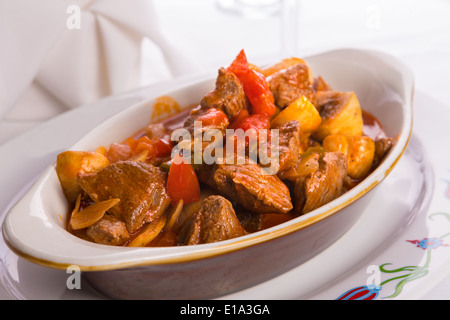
(91, 214)
(150, 231)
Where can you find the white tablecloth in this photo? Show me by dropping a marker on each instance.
(210, 36)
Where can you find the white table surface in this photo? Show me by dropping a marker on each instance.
(416, 31)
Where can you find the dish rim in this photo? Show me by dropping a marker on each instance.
(204, 251)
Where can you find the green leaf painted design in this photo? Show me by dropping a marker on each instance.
(445, 214)
(407, 268)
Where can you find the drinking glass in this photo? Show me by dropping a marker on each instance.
(287, 11)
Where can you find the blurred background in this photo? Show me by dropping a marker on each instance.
(58, 55)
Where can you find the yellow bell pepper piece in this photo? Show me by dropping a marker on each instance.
(301, 110)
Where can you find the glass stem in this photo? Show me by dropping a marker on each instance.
(289, 28)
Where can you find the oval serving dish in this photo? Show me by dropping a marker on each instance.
(34, 227)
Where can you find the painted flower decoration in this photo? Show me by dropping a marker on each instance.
(368, 292)
(429, 243)
(410, 272)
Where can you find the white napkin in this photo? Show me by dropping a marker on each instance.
(59, 54)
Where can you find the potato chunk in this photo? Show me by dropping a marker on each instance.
(70, 163)
(360, 156)
(336, 143)
(340, 113)
(285, 64)
(359, 150)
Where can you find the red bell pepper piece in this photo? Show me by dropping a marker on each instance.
(182, 182)
(245, 122)
(118, 152)
(238, 119)
(255, 86)
(253, 121)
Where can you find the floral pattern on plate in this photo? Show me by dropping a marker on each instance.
(403, 275)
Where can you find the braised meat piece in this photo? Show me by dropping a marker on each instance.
(213, 126)
(214, 221)
(108, 230)
(205, 174)
(227, 96)
(319, 85)
(289, 145)
(322, 186)
(382, 146)
(251, 188)
(289, 84)
(139, 186)
(202, 114)
(156, 130)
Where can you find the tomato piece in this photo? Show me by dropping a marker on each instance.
(254, 121)
(132, 143)
(239, 118)
(214, 117)
(118, 152)
(142, 144)
(255, 85)
(162, 147)
(155, 147)
(182, 182)
(245, 122)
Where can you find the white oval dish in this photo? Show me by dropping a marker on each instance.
(34, 230)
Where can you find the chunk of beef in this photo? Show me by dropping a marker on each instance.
(308, 163)
(214, 221)
(156, 131)
(205, 174)
(382, 147)
(197, 113)
(289, 84)
(289, 145)
(227, 96)
(139, 186)
(108, 230)
(322, 186)
(250, 221)
(319, 85)
(204, 135)
(251, 188)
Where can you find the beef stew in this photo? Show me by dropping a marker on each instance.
(324, 144)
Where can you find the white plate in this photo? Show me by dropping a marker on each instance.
(402, 203)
